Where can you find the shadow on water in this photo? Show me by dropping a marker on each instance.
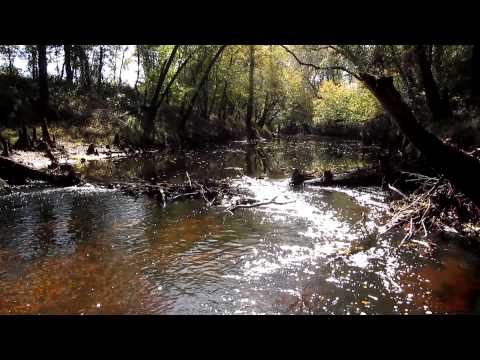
(90, 250)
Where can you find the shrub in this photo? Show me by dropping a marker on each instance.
(342, 104)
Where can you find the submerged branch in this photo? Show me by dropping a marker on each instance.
(232, 208)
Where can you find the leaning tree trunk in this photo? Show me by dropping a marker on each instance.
(44, 94)
(188, 112)
(461, 169)
(150, 112)
(248, 119)
(432, 94)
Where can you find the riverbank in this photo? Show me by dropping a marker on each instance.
(65, 152)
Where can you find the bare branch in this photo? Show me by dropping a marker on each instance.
(316, 67)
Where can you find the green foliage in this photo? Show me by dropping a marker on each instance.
(344, 104)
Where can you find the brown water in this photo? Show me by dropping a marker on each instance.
(89, 250)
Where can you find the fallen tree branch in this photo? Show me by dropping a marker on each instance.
(391, 187)
(409, 235)
(232, 208)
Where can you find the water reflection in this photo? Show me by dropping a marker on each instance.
(87, 250)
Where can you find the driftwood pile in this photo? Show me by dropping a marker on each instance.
(211, 191)
(434, 206)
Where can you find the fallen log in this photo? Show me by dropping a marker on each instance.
(15, 173)
(355, 178)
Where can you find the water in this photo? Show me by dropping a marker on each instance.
(89, 250)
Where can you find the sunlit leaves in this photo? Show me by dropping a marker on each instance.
(342, 103)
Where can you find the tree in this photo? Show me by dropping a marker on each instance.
(432, 93)
(100, 67)
(248, 119)
(454, 164)
(150, 110)
(85, 75)
(44, 93)
(196, 91)
(67, 49)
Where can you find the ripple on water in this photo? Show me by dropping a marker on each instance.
(306, 256)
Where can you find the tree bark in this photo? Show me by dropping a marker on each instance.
(432, 94)
(85, 77)
(100, 68)
(138, 70)
(403, 74)
(44, 93)
(248, 119)
(10, 60)
(68, 63)
(121, 66)
(458, 167)
(151, 110)
(261, 122)
(172, 80)
(6, 150)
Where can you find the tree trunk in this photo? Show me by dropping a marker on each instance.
(44, 94)
(85, 77)
(34, 134)
(222, 109)
(10, 60)
(432, 94)
(138, 70)
(154, 103)
(403, 75)
(100, 68)
(121, 66)
(261, 122)
(150, 112)
(172, 80)
(23, 142)
(188, 112)
(248, 119)
(6, 149)
(461, 169)
(68, 63)
(476, 71)
(148, 121)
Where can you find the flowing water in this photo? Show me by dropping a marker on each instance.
(89, 250)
